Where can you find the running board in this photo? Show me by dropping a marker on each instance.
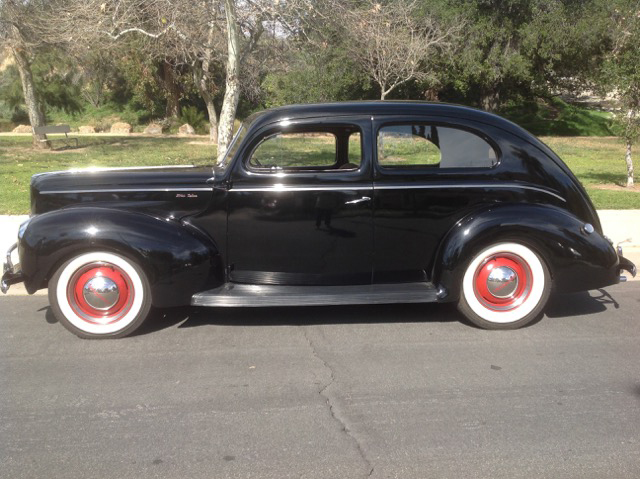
(253, 295)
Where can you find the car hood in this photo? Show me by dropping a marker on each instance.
(162, 188)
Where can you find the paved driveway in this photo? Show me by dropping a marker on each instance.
(398, 391)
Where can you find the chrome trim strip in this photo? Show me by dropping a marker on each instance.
(91, 169)
(473, 185)
(122, 190)
(285, 189)
(282, 189)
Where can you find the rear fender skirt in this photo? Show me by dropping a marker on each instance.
(577, 260)
(178, 259)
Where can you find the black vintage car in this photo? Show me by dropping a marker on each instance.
(346, 203)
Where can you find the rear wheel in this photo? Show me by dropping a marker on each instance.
(505, 286)
(100, 295)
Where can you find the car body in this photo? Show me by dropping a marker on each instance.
(341, 203)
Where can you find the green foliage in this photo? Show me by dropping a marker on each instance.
(139, 84)
(621, 65)
(194, 117)
(54, 77)
(101, 117)
(317, 77)
(515, 50)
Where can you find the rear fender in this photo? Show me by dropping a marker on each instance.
(576, 260)
(179, 260)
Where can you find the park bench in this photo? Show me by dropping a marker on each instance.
(56, 129)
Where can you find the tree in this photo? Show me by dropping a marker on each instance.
(515, 50)
(54, 82)
(621, 72)
(18, 33)
(213, 38)
(316, 75)
(392, 43)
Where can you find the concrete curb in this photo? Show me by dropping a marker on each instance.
(622, 226)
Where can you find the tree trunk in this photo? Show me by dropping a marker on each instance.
(627, 158)
(490, 101)
(232, 90)
(201, 78)
(213, 117)
(173, 91)
(36, 117)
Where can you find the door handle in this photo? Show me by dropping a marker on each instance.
(359, 200)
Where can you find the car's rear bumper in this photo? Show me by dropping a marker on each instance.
(625, 265)
(11, 274)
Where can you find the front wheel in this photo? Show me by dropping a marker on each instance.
(100, 295)
(505, 286)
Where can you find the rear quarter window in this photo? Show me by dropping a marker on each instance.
(422, 145)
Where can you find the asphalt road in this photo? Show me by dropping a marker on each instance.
(397, 391)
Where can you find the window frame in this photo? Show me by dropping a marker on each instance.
(435, 168)
(278, 129)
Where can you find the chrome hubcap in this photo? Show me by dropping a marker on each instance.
(101, 293)
(502, 282)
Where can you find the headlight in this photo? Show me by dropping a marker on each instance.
(23, 228)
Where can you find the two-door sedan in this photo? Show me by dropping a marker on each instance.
(328, 204)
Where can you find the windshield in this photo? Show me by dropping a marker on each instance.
(233, 147)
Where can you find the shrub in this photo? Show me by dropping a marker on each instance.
(193, 116)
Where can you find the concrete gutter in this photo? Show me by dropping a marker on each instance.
(622, 226)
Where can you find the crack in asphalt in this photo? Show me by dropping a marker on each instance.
(332, 409)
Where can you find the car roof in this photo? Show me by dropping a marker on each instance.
(395, 107)
(384, 108)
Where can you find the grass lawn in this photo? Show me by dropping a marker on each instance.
(597, 161)
(554, 117)
(18, 160)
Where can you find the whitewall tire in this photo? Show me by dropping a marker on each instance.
(100, 294)
(505, 286)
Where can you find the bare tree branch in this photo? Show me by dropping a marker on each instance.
(391, 42)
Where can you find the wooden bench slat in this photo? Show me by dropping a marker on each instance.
(45, 130)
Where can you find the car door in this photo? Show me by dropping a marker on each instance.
(429, 173)
(300, 205)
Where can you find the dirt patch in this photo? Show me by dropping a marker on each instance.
(203, 143)
(614, 187)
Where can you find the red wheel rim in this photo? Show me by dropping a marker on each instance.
(100, 293)
(503, 282)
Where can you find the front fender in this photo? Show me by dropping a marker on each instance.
(179, 260)
(576, 260)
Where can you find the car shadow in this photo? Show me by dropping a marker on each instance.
(49, 317)
(579, 304)
(559, 306)
(191, 317)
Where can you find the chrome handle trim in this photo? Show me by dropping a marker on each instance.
(359, 200)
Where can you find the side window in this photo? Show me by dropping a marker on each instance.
(338, 149)
(422, 145)
(354, 157)
(295, 150)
